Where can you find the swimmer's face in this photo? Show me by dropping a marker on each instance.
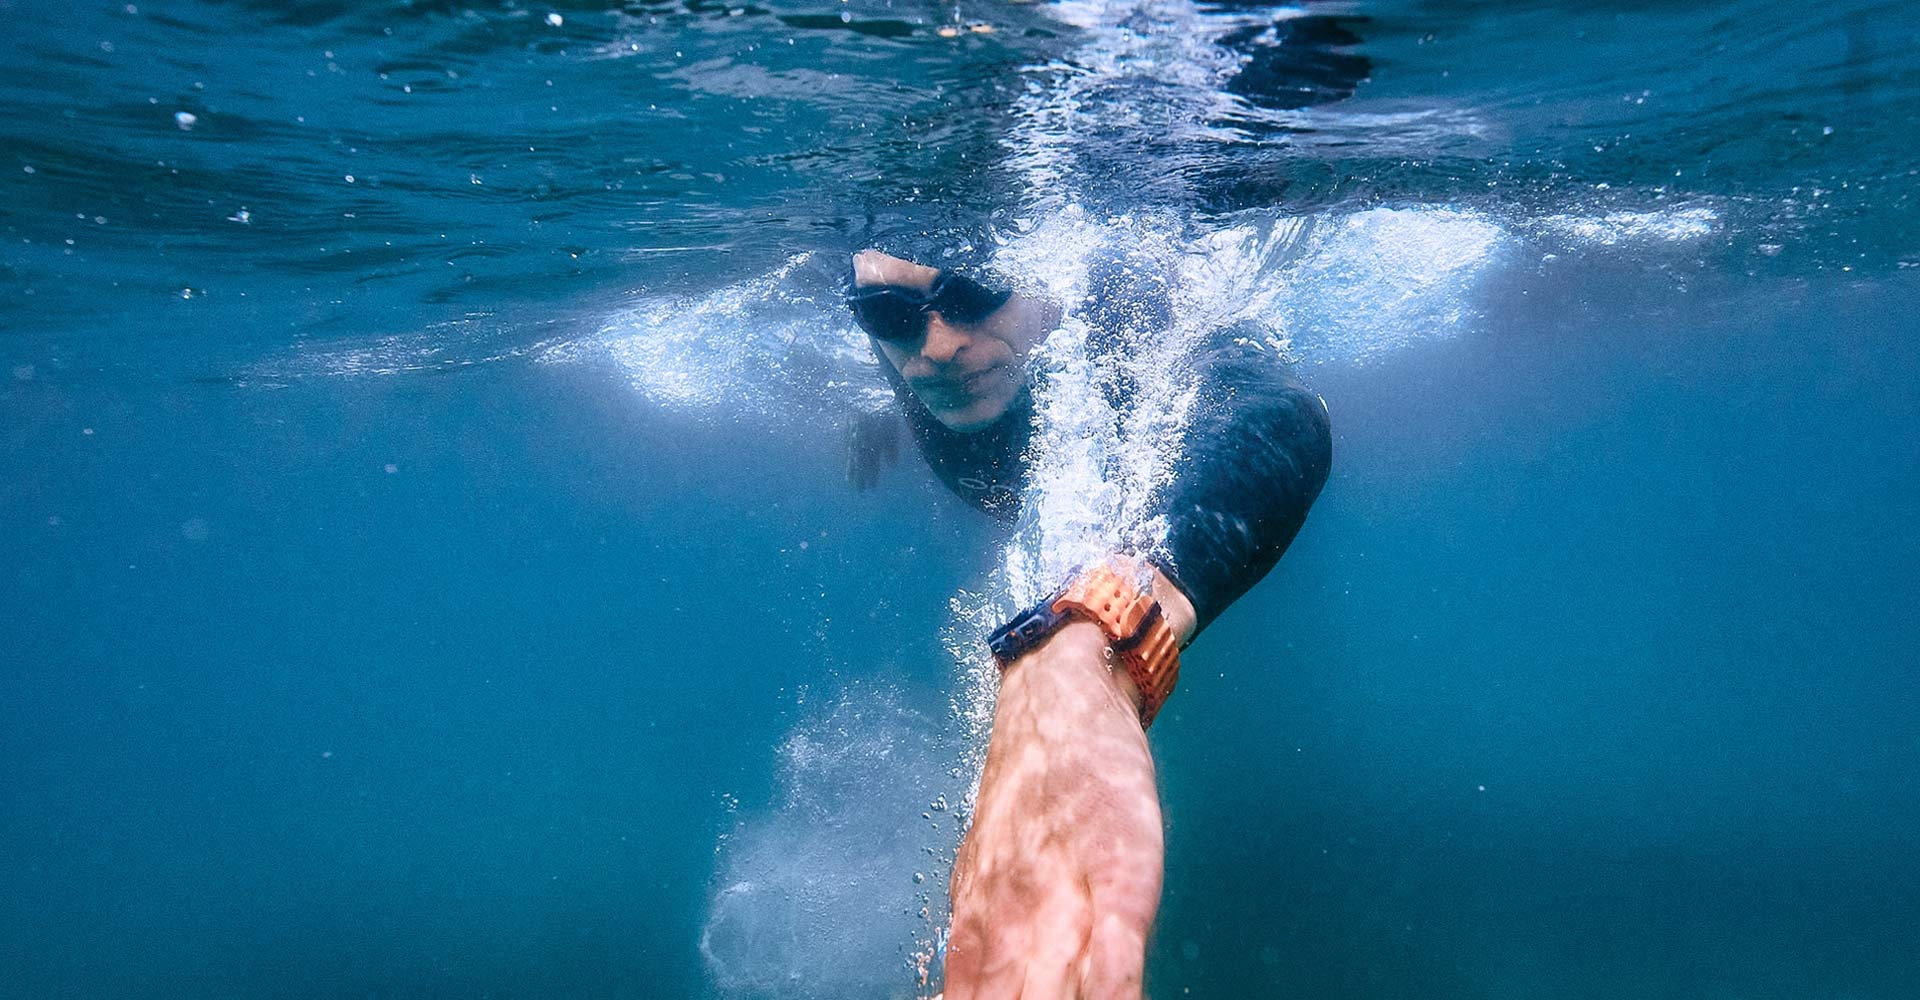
(967, 374)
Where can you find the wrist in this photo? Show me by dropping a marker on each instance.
(1074, 668)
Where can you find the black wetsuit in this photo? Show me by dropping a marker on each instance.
(1257, 452)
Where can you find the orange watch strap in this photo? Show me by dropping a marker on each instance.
(1132, 619)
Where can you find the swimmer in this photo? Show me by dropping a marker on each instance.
(1058, 879)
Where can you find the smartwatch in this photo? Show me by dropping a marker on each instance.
(1107, 595)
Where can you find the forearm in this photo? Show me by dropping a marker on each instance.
(1057, 883)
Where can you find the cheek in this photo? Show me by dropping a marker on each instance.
(890, 354)
(993, 351)
(993, 399)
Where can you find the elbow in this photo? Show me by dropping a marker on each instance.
(1308, 428)
(1322, 440)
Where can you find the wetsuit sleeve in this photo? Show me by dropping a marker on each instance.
(1258, 452)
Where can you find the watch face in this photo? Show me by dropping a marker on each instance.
(1018, 637)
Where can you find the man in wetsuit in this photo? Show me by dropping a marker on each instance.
(1057, 880)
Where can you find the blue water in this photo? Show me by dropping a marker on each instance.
(442, 582)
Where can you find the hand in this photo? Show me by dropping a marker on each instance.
(874, 267)
(1057, 882)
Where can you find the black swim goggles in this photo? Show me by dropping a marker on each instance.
(898, 313)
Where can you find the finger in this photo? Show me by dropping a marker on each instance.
(965, 946)
(1061, 927)
(966, 929)
(987, 950)
(1003, 969)
(1125, 897)
(1115, 966)
(986, 962)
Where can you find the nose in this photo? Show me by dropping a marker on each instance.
(943, 340)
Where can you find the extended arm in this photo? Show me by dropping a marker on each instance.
(1057, 882)
(1056, 885)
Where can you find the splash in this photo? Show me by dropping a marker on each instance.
(1146, 82)
(1379, 281)
(471, 341)
(770, 346)
(1331, 288)
(830, 892)
(1677, 225)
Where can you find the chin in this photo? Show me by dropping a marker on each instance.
(970, 419)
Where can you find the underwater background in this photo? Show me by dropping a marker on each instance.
(429, 568)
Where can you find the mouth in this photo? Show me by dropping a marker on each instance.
(959, 390)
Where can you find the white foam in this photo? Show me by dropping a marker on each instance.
(1149, 69)
(1675, 225)
(1381, 280)
(476, 339)
(1339, 288)
(815, 897)
(763, 347)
